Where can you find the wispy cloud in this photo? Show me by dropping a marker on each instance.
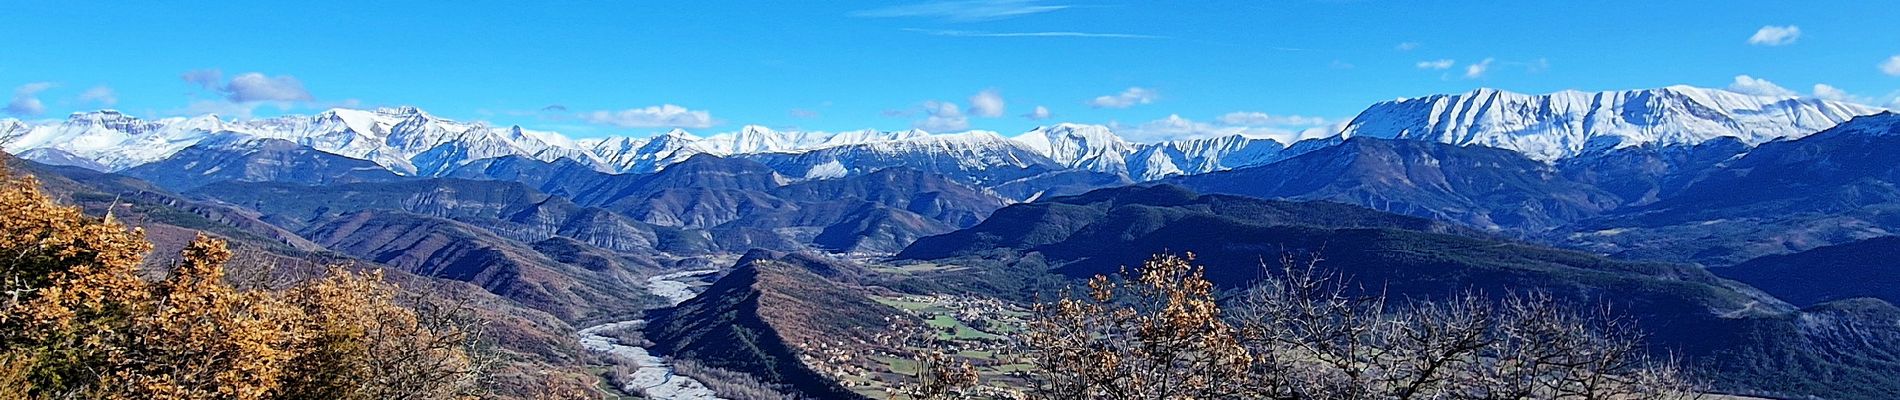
(1775, 35)
(1478, 70)
(963, 10)
(100, 95)
(1127, 98)
(26, 99)
(1436, 64)
(1406, 46)
(1745, 84)
(1283, 129)
(249, 87)
(957, 33)
(660, 116)
(1256, 118)
(1892, 66)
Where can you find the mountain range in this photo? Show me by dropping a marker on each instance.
(1618, 196)
(411, 142)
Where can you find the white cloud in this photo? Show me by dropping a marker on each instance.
(1040, 113)
(1892, 66)
(1406, 46)
(26, 99)
(1745, 84)
(1477, 70)
(987, 103)
(1436, 64)
(249, 87)
(963, 10)
(803, 113)
(660, 116)
(1829, 92)
(943, 116)
(1251, 124)
(1127, 98)
(100, 95)
(1255, 118)
(1775, 35)
(253, 87)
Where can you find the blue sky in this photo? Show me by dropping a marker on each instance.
(1153, 69)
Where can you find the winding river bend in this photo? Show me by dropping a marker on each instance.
(653, 378)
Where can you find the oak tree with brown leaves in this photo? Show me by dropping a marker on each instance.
(77, 321)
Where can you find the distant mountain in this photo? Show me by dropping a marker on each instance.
(1570, 123)
(704, 204)
(1832, 187)
(409, 141)
(1479, 186)
(1748, 340)
(240, 158)
(1865, 268)
(975, 157)
(405, 140)
(647, 154)
(441, 248)
(507, 209)
(1084, 147)
(1644, 174)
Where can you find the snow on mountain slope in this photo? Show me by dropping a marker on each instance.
(644, 155)
(410, 141)
(974, 156)
(110, 138)
(1197, 156)
(1086, 147)
(1569, 123)
(752, 139)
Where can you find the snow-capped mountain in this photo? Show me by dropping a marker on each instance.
(409, 141)
(642, 155)
(1195, 156)
(1086, 147)
(405, 140)
(1569, 123)
(753, 139)
(975, 156)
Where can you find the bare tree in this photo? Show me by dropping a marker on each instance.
(1306, 335)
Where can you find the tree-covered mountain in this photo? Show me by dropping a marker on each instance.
(1864, 268)
(1832, 187)
(1685, 309)
(1484, 187)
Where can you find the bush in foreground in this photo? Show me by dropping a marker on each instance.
(77, 321)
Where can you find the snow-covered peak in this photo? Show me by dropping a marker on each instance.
(1202, 155)
(1090, 147)
(1569, 123)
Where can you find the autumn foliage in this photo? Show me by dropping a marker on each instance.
(78, 321)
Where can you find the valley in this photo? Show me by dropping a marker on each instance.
(775, 264)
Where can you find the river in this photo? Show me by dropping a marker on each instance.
(653, 378)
